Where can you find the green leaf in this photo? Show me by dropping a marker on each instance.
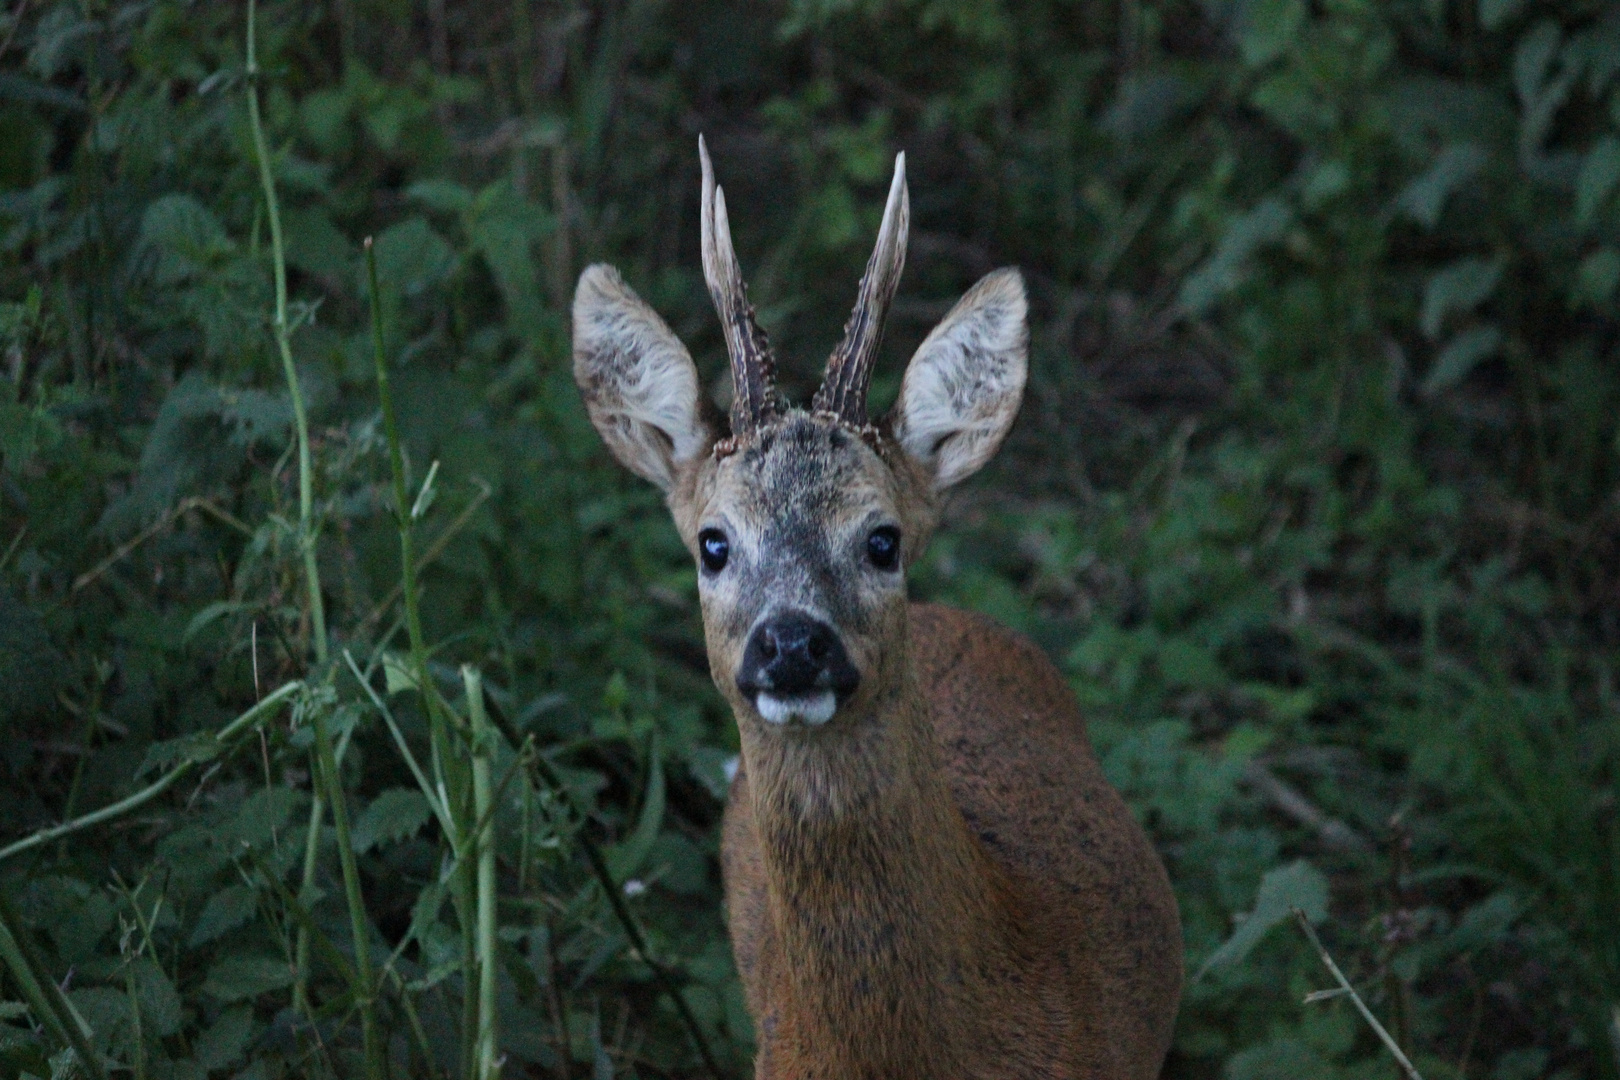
(185, 236)
(1424, 199)
(1266, 28)
(31, 667)
(504, 226)
(393, 815)
(627, 856)
(1227, 267)
(397, 673)
(1600, 173)
(1297, 885)
(1531, 59)
(1458, 289)
(161, 1010)
(221, 1046)
(1598, 276)
(1460, 356)
(1493, 13)
(446, 196)
(411, 259)
(25, 430)
(227, 909)
(239, 978)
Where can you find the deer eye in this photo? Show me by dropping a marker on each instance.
(883, 547)
(714, 549)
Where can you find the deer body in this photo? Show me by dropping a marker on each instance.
(927, 875)
(992, 911)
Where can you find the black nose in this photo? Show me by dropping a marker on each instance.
(794, 654)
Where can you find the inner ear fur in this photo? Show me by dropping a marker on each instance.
(962, 389)
(638, 381)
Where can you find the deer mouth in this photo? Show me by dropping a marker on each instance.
(812, 709)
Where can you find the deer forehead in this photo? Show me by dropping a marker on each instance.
(803, 474)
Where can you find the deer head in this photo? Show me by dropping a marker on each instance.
(802, 521)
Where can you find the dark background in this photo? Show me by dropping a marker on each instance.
(1313, 494)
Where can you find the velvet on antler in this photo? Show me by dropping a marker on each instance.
(753, 368)
(849, 370)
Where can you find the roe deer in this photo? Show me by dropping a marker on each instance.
(926, 874)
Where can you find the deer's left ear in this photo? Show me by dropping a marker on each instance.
(963, 387)
(638, 381)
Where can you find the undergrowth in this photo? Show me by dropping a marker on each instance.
(356, 720)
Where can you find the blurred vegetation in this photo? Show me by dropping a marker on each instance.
(1313, 496)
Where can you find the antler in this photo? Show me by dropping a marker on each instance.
(753, 369)
(849, 371)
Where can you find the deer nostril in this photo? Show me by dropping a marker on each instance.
(818, 648)
(768, 646)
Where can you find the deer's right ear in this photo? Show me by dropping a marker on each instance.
(638, 381)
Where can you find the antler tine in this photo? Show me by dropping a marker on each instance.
(849, 371)
(753, 370)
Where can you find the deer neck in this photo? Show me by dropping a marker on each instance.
(888, 911)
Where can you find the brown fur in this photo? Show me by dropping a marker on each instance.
(934, 880)
(995, 912)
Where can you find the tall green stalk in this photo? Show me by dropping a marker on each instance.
(487, 1062)
(306, 469)
(453, 794)
(365, 977)
(283, 335)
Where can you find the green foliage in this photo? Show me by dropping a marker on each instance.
(1313, 497)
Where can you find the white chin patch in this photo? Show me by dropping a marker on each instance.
(813, 709)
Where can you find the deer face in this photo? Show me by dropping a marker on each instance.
(802, 522)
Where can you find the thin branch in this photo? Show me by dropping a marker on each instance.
(1355, 998)
(222, 738)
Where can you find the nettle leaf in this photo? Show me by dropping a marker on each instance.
(397, 673)
(1266, 28)
(185, 238)
(1597, 277)
(226, 910)
(1599, 175)
(107, 1012)
(503, 226)
(1460, 356)
(1458, 289)
(315, 245)
(201, 436)
(445, 196)
(31, 667)
(24, 431)
(392, 816)
(627, 856)
(1493, 13)
(162, 756)
(161, 1010)
(411, 259)
(221, 1046)
(1297, 885)
(239, 977)
(262, 815)
(1424, 199)
(1228, 266)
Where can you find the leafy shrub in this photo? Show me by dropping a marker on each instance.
(1313, 496)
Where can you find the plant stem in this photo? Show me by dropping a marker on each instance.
(50, 1005)
(365, 977)
(306, 469)
(222, 737)
(1361, 1006)
(452, 796)
(283, 335)
(483, 738)
(543, 773)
